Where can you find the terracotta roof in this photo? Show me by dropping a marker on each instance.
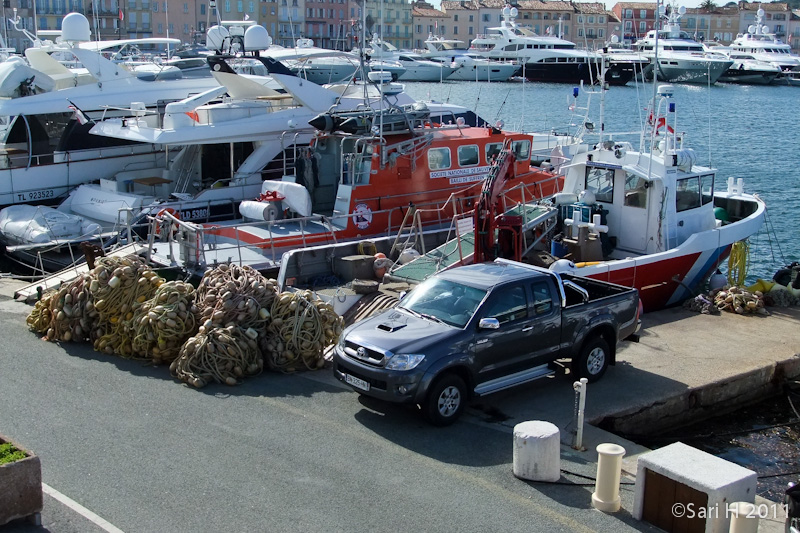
(425, 12)
(752, 6)
(636, 5)
(493, 3)
(590, 7)
(454, 5)
(539, 5)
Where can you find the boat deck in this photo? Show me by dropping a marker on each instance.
(461, 248)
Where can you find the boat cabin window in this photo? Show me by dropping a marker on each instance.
(687, 194)
(707, 188)
(601, 182)
(522, 150)
(635, 191)
(492, 151)
(439, 158)
(468, 155)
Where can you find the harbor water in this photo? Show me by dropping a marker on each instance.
(747, 132)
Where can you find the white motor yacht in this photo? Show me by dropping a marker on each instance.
(746, 68)
(417, 68)
(471, 66)
(545, 57)
(680, 57)
(45, 147)
(765, 46)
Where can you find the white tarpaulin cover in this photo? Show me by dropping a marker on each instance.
(35, 224)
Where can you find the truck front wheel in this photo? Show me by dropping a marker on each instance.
(592, 361)
(445, 401)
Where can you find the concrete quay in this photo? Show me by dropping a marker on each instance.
(302, 452)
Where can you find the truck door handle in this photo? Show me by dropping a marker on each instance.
(528, 328)
(482, 341)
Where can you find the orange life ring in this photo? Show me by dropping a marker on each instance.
(160, 216)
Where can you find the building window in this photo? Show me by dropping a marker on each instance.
(227, 6)
(591, 19)
(155, 7)
(600, 33)
(161, 28)
(601, 19)
(642, 13)
(642, 27)
(628, 14)
(455, 18)
(202, 9)
(487, 17)
(470, 18)
(252, 7)
(580, 19)
(185, 7)
(455, 30)
(580, 32)
(470, 30)
(240, 6)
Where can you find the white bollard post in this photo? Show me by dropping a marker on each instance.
(580, 408)
(744, 517)
(609, 469)
(537, 451)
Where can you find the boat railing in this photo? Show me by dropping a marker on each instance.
(294, 151)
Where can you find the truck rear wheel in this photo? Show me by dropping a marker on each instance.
(592, 361)
(446, 400)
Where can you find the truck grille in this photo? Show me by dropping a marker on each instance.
(364, 354)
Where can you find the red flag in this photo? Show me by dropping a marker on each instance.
(121, 15)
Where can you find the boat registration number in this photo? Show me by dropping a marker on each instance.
(357, 383)
(194, 214)
(29, 196)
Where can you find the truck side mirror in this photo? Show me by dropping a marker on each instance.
(489, 323)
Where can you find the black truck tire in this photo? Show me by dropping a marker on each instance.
(592, 361)
(445, 400)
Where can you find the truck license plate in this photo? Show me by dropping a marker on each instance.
(357, 383)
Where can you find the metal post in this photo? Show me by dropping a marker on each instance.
(580, 407)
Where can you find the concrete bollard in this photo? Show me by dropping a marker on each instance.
(537, 451)
(744, 517)
(609, 469)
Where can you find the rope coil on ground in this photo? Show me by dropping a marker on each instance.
(222, 355)
(120, 286)
(302, 326)
(164, 322)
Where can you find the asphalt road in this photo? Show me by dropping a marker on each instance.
(277, 453)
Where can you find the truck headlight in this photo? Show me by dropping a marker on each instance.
(340, 342)
(404, 361)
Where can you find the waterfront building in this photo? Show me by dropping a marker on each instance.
(594, 25)
(637, 18)
(427, 21)
(554, 18)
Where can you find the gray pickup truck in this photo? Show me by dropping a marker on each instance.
(482, 328)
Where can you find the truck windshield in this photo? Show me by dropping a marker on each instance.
(452, 303)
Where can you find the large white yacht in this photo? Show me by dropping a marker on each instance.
(746, 68)
(765, 46)
(45, 146)
(417, 68)
(681, 58)
(546, 57)
(471, 66)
